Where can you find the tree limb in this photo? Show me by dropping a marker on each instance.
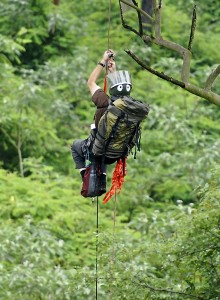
(158, 40)
(193, 28)
(159, 74)
(210, 80)
(157, 22)
(138, 9)
(125, 25)
(186, 54)
(193, 89)
(139, 20)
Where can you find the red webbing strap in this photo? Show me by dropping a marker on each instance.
(117, 180)
(105, 80)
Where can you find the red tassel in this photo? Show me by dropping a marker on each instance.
(117, 180)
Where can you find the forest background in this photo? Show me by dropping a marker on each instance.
(166, 240)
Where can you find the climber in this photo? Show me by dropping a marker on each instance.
(101, 100)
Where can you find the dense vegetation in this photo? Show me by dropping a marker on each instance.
(166, 241)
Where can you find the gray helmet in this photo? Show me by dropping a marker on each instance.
(120, 83)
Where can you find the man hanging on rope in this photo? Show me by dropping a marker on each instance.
(101, 100)
(116, 129)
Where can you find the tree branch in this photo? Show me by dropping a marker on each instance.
(139, 19)
(138, 9)
(210, 80)
(159, 74)
(193, 89)
(193, 28)
(206, 92)
(125, 25)
(157, 22)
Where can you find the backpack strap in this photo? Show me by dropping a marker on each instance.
(115, 110)
(114, 128)
(137, 140)
(120, 116)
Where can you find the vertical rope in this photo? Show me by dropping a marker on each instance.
(108, 45)
(115, 200)
(109, 21)
(97, 212)
(113, 248)
(97, 240)
(114, 226)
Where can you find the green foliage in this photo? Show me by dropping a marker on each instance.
(165, 244)
(33, 264)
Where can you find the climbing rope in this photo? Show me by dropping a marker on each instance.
(109, 22)
(97, 200)
(108, 44)
(97, 242)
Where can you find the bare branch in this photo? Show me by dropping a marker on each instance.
(125, 7)
(159, 74)
(186, 66)
(193, 28)
(186, 54)
(210, 80)
(157, 23)
(139, 19)
(138, 9)
(124, 24)
(193, 89)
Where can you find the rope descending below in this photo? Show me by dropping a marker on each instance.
(117, 180)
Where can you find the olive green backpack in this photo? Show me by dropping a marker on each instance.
(119, 129)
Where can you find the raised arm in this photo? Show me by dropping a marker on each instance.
(106, 59)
